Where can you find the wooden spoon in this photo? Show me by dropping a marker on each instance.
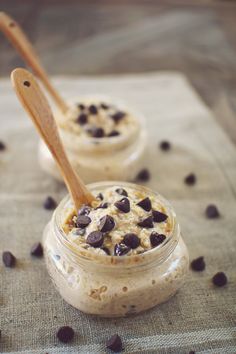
(19, 40)
(36, 104)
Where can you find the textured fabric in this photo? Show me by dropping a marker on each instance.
(200, 317)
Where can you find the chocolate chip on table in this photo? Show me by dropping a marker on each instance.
(37, 250)
(106, 223)
(84, 210)
(114, 343)
(156, 239)
(146, 223)
(190, 180)
(65, 334)
(212, 212)
(165, 145)
(82, 119)
(158, 216)
(83, 221)
(198, 264)
(106, 250)
(100, 196)
(118, 116)
(113, 133)
(219, 279)
(121, 249)
(143, 175)
(95, 239)
(81, 106)
(8, 259)
(96, 132)
(93, 109)
(2, 146)
(123, 205)
(145, 204)
(122, 191)
(104, 106)
(102, 206)
(49, 203)
(131, 240)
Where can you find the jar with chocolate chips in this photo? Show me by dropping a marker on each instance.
(119, 256)
(104, 140)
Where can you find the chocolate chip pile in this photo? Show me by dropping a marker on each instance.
(121, 221)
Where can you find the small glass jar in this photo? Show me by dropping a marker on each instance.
(112, 286)
(97, 159)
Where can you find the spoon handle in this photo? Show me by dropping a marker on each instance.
(17, 37)
(35, 103)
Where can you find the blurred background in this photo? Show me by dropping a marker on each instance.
(196, 37)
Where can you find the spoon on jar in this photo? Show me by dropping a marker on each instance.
(19, 40)
(36, 105)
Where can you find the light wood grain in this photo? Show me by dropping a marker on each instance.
(35, 103)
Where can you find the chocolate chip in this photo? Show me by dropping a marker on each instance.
(114, 343)
(83, 221)
(102, 206)
(219, 279)
(121, 249)
(96, 132)
(158, 216)
(123, 205)
(8, 259)
(212, 212)
(146, 223)
(106, 250)
(198, 264)
(95, 239)
(118, 116)
(113, 133)
(26, 83)
(156, 239)
(143, 175)
(165, 145)
(93, 109)
(81, 106)
(84, 210)
(131, 240)
(100, 196)
(104, 106)
(122, 191)
(145, 204)
(190, 180)
(106, 223)
(65, 334)
(49, 203)
(2, 146)
(82, 119)
(37, 250)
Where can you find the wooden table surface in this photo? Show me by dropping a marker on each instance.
(195, 37)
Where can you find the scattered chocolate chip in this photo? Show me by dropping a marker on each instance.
(165, 145)
(146, 223)
(156, 239)
(84, 210)
(212, 212)
(123, 205)
(37, 250)
(2, 146)
(219, 279)
(122, 191)
(82, 119)
(145, 204)
(95, 239)
(102, 206)
(26, 83)
(83, 221)
(143, 175)
(118, 116)
(106, 250)
(131, 240)
(8, 259)
(114, 343)
(104, 106)
(198, 264)
(121, 249)
(100, 196)
(81, 106)
(106, 223)
(113, 133)
(93, 109)
(190, 180)
(49, 203)
(96, 132)
(65, 334)
(158, 216)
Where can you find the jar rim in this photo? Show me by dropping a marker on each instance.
(159, 253)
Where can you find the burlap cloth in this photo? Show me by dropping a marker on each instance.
(200, 317)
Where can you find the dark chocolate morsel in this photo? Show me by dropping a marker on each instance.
(114, 343)
(106, 223)
(156, 239)
(102, 206)
(83, 221)
(95, 239)
(104, 106)
(198, 264)
(96, 132)
(122, 191)
(2, 146)
(84, 210)
(123, 205)
(145, 204)
(121, 249)
(81, 106)
(49, 203)
(212, 212)
(37, 250)
(100, 196)
(65, 334)
(190, 180)
(8, 259)
(82, 119)
(118, 116)
(93, 109)
(158, 216)
(146, 223)
(165, 145)
(113, 133)
(131, 240)
(219, 279)
(143, 175)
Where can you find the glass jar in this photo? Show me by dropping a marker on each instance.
(97, 159)
(113, 286)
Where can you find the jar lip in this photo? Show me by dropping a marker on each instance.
(158, 253)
